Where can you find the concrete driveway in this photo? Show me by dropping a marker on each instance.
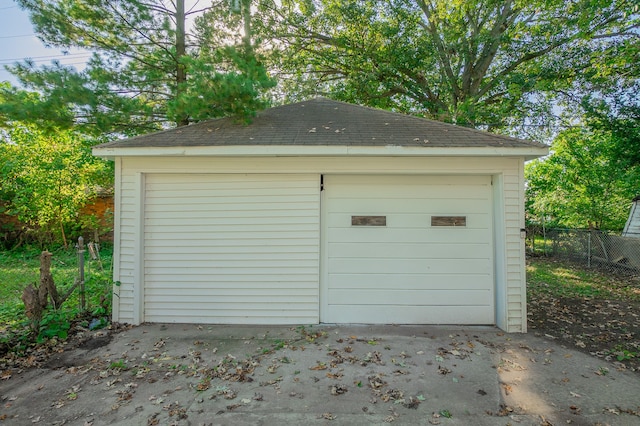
(353, 375)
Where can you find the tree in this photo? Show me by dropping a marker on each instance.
(622, 121)
(581, 184)
(473, 62)
(47, 177)
(147, 71)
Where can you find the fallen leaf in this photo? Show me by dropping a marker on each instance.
(338, 389)
(327, 416)
(319, 366)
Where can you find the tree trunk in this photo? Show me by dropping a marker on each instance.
(64, 236)
(247, 26)
(32, 306)
(47, 286)
(181, 50)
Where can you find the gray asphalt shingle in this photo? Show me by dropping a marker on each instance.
(323, 121)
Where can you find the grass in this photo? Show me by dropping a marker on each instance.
(548, 276)
(19, 268)
(539, 245)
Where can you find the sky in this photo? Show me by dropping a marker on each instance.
(18, 41)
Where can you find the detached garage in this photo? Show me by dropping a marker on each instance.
(320, 211)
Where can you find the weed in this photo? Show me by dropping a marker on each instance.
(446, 413)
(53, 324)
(623, 354)
(118, 365)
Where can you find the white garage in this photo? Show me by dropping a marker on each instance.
(320, 211)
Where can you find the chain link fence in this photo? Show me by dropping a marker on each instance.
(594, 248)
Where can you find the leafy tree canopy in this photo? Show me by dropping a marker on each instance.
(473, 62)
(582, 183)
(623, 123)
(147, 70)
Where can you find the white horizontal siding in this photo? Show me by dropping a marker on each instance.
(400, 272)
(125, 256)
(515, 288)
(231, 249)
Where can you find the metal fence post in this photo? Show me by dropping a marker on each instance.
(589, 250)
(83, 303)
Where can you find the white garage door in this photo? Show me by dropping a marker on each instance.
(231, 249)
(408, 250)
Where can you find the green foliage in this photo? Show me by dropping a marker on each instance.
(446, 414)
(209, 93)
(623, 354)
(48, 177)
(582, 183)
(474, 63)
(621, 119)
(118, 365)
(53, 324)
(145, 72)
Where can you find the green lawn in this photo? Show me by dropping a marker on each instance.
(561, 279)
(20, 267)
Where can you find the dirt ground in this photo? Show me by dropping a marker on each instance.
(607, 329)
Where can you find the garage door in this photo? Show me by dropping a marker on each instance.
(231, 249)
(408, 250)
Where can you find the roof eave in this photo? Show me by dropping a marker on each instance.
(529, 153)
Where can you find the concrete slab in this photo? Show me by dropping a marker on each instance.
(183, 374)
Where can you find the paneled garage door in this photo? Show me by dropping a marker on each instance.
(408, 250)
(231, 249)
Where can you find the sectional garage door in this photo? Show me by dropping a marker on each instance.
(408, 250)
(231, 248)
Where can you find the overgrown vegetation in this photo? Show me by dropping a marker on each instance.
(19, 268)
(47, 177)
(592, 311)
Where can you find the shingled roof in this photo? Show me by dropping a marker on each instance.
(324, 122)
